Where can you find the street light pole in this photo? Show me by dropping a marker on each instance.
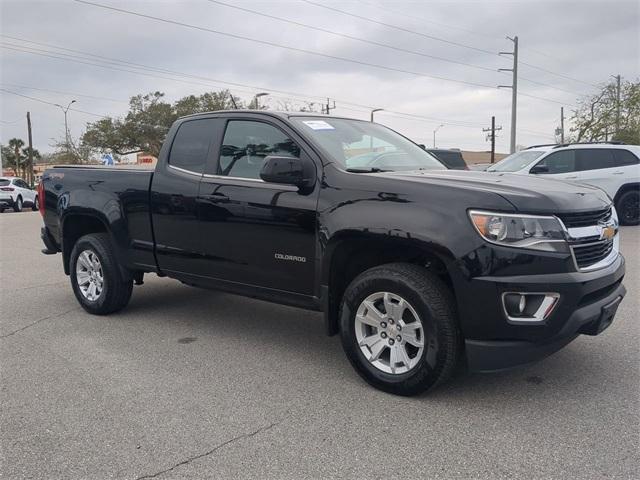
(434, 135)
(66, 125)
(374, 111)
(258, 95)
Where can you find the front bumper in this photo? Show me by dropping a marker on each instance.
(587, 305)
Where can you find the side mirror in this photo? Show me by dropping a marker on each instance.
(300, 172)
(538, 169)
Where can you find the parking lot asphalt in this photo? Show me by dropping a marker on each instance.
(189, 383)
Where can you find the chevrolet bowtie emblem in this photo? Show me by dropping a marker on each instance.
(607, 232)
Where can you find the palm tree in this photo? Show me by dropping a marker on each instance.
(15, 144)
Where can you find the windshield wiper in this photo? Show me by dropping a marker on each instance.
(367, 170)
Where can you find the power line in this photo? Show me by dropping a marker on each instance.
(352, 37)
(558, 74)
(311, 52)
(443, 40)
(455, 27)
(10, 122)
(51, 103)
(379, 44)
(83, 61)
(301, 96)
(278, 45)
(62, 92)
(399, 28)
(423, 19)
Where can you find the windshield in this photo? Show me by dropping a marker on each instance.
(515, 162)
(360, 145)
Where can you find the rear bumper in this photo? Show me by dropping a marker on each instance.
(6, 202)
(588, 306)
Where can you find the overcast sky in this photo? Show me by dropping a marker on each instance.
(583, 43)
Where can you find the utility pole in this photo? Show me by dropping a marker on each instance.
(327, 109)
(617, 77)
(374, 111)
(492, 136)
(514, 89)
(30, 174)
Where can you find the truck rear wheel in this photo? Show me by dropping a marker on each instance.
(399, 328)
(95, 276)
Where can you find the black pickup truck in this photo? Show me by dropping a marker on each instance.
(417, 267)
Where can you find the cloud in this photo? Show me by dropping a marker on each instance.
(587, 40)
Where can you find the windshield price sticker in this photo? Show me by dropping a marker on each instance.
(318, 125)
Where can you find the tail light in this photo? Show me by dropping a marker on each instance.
(41, 198)
(7, 189)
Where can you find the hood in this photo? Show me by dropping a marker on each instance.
(527, 193)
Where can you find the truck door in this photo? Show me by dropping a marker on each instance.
(254, 232)
(174, 194)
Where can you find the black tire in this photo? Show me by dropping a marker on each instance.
(628, 207)
(17, 205)
(116, 292)
(35, 206)
(433, 302)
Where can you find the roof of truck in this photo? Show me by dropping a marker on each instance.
(270, 113)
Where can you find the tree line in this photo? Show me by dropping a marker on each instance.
(149, 118)
(597, 118)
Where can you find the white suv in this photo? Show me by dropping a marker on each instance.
(15, 193)
(615, 168)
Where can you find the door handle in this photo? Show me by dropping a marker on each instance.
(618, 173)
(571, 177)
(217, 197)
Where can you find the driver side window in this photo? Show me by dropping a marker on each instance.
(560, 162)
(247, 143)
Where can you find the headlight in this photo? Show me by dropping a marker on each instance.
(520, 231)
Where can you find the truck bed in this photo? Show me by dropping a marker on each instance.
(116, 196)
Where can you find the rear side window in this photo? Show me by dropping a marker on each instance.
(247, 143)
(560, 162)
(191, 145)
(624, 158)
(594, 159)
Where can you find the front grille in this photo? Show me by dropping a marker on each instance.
(585, 219)
(587, 254)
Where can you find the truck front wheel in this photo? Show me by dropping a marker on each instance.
(95, 276)
(399, 328)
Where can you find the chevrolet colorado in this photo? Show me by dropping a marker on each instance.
(415, 266)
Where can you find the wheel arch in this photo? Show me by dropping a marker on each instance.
(625, 188)
(76, 225)
(350, 253)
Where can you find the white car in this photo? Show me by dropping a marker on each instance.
(15, 193)
(615, 168)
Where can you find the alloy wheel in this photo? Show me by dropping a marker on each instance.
(389, 333)
(89, 275)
